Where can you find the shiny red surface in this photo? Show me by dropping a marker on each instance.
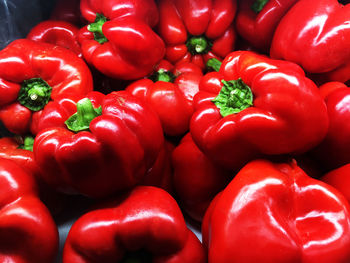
(147, 218)
(276, 213)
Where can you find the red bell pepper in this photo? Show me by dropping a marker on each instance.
(197, 30)
(21, 152)
(26, 224)
(261, 106)
(69, 11)
(58, 33)
(196, 178)
(145, 225)
(170, 94)
(315, 34)
(334, 151)
(276, 213)
(256, 20)
(339, 178)
(107, 146)
(161, 173)
(32, 74)
(119, 41)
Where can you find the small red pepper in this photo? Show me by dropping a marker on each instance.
(339, 178)
(106, 147)
(119, 41)
(259, 106)
(256, 20)
(26, 224)
(334, 151)
(197, 30)
(32, 74)
(314, 34)
(170, 94)
(274, 212)
(196, 178)
(145, 225)
(58, 33)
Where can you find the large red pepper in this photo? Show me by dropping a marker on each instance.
(145, 225)
(256, 20)
(314, 34)
(260, 106)
(28, 232)
(106, 147)
(170, 94)
(276, 213)
(334, 150)
(120, 41)
(196, 178)
(32, 74)
(58, 33)
(197, 30)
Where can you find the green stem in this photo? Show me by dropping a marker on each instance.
(27, 144)
(162, 75)
(80, 121)
(96, 28)
(214, 64)
(258, 5)
(234, 97)
(198, 45)
(34, 94)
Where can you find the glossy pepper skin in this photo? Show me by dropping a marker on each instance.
(58, 33)
(196, 178)
(120, 41)
(314, 34)
(256, 20)
(197, 30)
(147, 219)
(265, 107)
(32, 74)
(25, 222)
(170, 94)
(334, 151)
(102, 150)
(284, 214)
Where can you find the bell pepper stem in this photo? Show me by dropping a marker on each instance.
(28, 143)
(80, 121)
(198, 45)
(234, 97)
(258, 5)
(34, 94)
(162, 75)
(214, 64)
(96, 28)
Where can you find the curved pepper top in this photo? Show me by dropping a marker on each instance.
(144, 225)
(26, 224)
(197, 30)
(257, 106)
(31, 75)
(286, 215)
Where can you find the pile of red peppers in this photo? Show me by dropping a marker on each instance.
(231, 116)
